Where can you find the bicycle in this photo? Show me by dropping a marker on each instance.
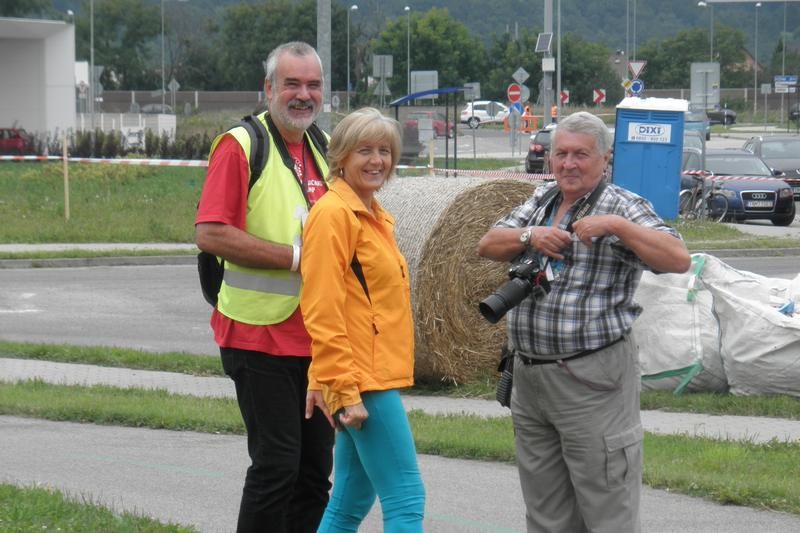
(703, 202)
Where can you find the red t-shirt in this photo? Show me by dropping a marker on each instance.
(224, 200)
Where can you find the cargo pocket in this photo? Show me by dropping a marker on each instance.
(623, 455)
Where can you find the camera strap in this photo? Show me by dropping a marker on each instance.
(582, 211)
(549, 199)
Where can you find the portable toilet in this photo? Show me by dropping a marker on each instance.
(648, 145)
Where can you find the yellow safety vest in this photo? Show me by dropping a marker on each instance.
(276, 212)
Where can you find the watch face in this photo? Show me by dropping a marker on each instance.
(525, 237)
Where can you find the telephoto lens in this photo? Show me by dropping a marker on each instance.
(496, 305)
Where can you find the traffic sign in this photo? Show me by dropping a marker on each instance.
(526, 94)
(514, 93)
(564, 96)
(636, 67)
(626, 84)
(637, 86)
(787, 80)
(599, 96)
(520, 75)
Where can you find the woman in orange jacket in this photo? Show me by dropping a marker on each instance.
(356, 304)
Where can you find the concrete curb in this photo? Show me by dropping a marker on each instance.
(150, 260)
(63, 262)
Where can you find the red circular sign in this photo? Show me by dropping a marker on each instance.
(514, 93)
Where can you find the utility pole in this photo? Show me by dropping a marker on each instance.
(324, 51)
(547, 76)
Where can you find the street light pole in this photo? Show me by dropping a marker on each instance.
(710, 7)
(352, 8)
(711, 33)
(163, 84)
(755, 63)
(783, 54)
(558, 58)
(91, 71)
(408, 49)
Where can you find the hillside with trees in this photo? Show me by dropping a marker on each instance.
(219, 44)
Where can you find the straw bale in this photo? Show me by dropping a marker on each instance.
(439, 223)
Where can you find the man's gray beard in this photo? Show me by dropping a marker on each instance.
(298, 125)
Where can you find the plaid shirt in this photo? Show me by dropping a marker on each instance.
(590, 303)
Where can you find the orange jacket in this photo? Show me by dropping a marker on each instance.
(357, 343)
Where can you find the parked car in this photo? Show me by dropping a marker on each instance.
(539, 150)
(794, 112)
(723, 116)
(483, 112)
(440, 129)
(14, 141)
(763, 197)
(698, 121)
(782, 154)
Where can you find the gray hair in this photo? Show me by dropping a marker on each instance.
(297, 48)
(587, 124)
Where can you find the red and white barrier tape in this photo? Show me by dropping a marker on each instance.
(714, 177)
(144, 162)
(495, 174)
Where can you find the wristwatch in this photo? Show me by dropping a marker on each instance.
(525, 237)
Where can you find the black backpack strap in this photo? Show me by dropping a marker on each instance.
(359, 272)
(259, 147)
(319, 138)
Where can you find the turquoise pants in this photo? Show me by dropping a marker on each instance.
(380, 458)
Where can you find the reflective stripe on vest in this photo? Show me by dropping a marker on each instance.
(261, 283)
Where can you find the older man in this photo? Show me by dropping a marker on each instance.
(257, 323)
(575, 399)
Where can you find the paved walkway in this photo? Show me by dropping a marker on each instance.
(195, 478)
(755, 429)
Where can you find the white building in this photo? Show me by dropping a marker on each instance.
(37, 74)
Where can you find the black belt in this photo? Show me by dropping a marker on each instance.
(530, 361)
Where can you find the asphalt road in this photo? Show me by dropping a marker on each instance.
(152, 308)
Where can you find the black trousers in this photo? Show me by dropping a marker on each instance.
(287, 484)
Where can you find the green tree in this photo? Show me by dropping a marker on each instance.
(507, 55)
(123, 31)
(585, 66)
(668, 61)
(249, 31)
(438, 42)
(23, 8)
(777, 62)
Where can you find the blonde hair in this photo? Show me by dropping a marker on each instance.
(365, 124)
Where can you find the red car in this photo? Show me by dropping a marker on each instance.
(439, 128)
(14, 141)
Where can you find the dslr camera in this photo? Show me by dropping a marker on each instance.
(525, 278)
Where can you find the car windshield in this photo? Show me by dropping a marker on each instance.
(781, 149)
(695, 116)
(736, 165)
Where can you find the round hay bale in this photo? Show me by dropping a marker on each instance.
(439, 224)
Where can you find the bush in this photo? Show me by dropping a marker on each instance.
(110, 145)
(150, 143)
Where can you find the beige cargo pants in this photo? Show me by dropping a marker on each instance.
(578, 440)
